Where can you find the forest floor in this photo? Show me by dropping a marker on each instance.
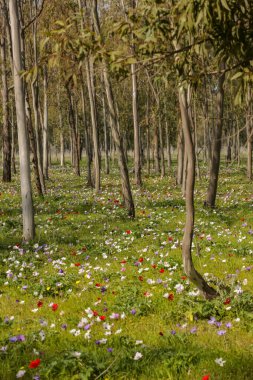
(100, 296)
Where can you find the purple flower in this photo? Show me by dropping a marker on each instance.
(193, 330)
(133, 311)
(229, 325)
(20, 338)
(13, 339)
(212, 321)
(109, 349)
(64, 326)
(218, 324)
(87, 327)
(221, 332)
(173, 332)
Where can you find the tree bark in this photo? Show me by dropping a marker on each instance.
(94, 122)
(189, 268)
(216, 149)
(126, 188)
(6, 136)
(45, 125)
(25, 175)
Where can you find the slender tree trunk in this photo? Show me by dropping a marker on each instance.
(107, 161)
(126, 188)
(6, 136)
(161, 143)
(13, 141)
(249, 130)
(156, 150)
(180, 155)
(45, 125)
(94, 123)
(25, 175)
(137, 158)
(73, 131)
(189, 268)
(168, 147)
(216, 151)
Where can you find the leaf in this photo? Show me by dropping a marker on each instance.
(225, 4)
(237, 75)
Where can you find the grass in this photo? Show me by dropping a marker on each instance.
(119, 285)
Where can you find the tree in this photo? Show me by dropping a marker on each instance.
(25, 175)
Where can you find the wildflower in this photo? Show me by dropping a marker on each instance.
(55, 306)
(39, 303)
(20, 373)
(221, 332)
(34, 363)
(76, 354)
(206, 377)
(220, 361)
(227, 301)
(137, 356)
(179, 288)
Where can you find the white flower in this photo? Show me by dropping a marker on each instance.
(138, 342)
(179, 288)
(76, 354)
(220, 361)
(238, 290)
(137, 356)
(20, 373)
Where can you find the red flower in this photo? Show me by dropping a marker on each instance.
(141, 259)
(128, 232)
(39, 303)
(102, 317)
(171, 297)
(123, 262)
(227, 301)
(95, 313)
(140, 278)
(153, 266)
(55, 306)
(206, 377)
(161, 270)
(98, 285)
(170, 238)
(34, 363)
(183, 277)
(77, 264)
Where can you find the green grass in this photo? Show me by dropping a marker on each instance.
(83, 258)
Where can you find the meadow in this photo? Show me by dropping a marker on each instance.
(100, 296)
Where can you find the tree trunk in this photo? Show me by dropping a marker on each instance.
(126, 188)
(249, 131)
(161, 144)
(73, 131)
(180, 155)
(45, 125)
(216, 149)
(94, 122)
(107, 161)
(13, 141)
(156, 150)
(189, 268)
(5, 109)
(25, 175)
(168, 147)
(137, 158)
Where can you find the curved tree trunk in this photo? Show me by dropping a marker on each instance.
(25, 175)
(189, 268)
